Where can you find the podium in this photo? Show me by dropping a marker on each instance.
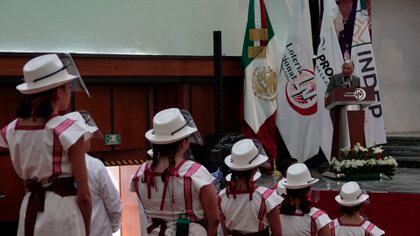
(346, 108)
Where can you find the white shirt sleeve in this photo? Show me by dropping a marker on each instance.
(71, 135)
(377, 231)
(110, 198)
(3, 141)
(202, 178)
(272, 201)
(322, 221)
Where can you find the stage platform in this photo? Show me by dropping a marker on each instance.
(394, 204)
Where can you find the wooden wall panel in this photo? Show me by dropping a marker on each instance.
(99, 106)
(9, 98)
(130, 106)
(170, 95)
(11, 186)
(202, 108)
(232, 102)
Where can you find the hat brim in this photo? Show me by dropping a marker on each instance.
(359, 201)
(256, 176)
(258, 161)
(298, 186)
(166, 139)
(42, 86)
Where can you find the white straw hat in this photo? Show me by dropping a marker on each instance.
(297, 177)
(351, 195)
(169, 126)
(43, 73)
(245, 156)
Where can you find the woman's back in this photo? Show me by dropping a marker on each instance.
(182, 190)
(248, 216)
(362, 229)
(300, 224)
(40, 152)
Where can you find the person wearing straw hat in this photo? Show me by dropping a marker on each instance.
(106, 202)
(178, 195)
(351, 198)
(245, 208)
(297, 214)
(47, 152)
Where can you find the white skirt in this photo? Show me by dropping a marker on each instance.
(61, 217)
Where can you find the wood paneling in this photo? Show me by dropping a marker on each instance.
(99, 106)
(9, 98)
(11, 186)
(130, 106)
(202, 108)
(100, 65)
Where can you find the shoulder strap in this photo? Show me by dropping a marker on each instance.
(332, 226)
(188, 191)
(263, 208)
(314, 217)
(369, 229)
(57, 148)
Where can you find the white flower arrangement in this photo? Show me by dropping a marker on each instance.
(360, 160)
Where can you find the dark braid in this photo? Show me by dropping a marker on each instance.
(247, 176)
(287, 206)
(165, 150)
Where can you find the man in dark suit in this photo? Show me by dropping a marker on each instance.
(345, 79)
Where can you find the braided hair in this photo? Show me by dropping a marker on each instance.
(287, 207)
(165, 150)
(236, 176)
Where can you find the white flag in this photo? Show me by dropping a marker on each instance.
(365, 68)
(328, 62)
(297, 118)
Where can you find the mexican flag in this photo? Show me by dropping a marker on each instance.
(328, 62)
(297, 114)
(365, 68)
(261, 59)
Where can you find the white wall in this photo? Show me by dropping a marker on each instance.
(396, 41)
(144, 27)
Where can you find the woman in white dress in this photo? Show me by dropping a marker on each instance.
(297, 215)
(47, 152)
(245, 208)
(178, 195)
(351, 223)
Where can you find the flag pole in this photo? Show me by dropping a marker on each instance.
(218, 88)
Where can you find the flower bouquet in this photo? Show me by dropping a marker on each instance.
(360, 163)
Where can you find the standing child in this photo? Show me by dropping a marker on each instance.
(47, 152)
(297, 215)
(245, 208)
(178, 195)
(351, 223)
(106, 202)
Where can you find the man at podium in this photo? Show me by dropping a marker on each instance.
(345, 79)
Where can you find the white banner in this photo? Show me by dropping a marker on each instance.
(365, 68)
(328, 62)
(297, 97)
